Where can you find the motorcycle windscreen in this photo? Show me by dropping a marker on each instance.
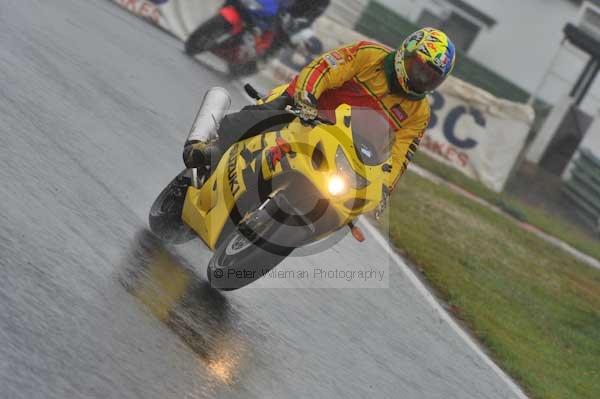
(372, 135)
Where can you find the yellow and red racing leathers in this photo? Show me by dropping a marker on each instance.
(355, 75)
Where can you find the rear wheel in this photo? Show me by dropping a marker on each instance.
(165, 213)
(248, 253)
(208, 36)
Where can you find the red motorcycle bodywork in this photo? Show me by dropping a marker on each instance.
(231, 50)
(234, 18)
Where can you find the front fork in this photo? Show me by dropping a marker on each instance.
(197, 179)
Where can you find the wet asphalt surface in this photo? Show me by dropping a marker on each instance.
(94, 107)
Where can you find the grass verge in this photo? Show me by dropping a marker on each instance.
(539, 218)
(534, 307)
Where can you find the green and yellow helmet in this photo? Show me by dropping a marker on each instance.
(423, 61)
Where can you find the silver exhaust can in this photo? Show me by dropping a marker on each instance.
(215, 105)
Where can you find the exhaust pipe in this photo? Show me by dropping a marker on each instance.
(215, 105)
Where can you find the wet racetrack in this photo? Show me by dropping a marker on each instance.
(95, 105)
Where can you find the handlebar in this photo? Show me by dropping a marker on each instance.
(296, 111)
(292, 109)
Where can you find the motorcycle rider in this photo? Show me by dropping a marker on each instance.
(296, 16)
(393, 83)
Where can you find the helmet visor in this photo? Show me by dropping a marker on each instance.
(422, 77)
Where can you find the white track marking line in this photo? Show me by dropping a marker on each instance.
(408, 272)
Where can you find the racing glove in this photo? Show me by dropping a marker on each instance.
(307, 105)
(383, 204)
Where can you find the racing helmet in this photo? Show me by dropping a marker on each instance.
(423, 61)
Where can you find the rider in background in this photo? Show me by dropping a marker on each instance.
(268, 26)
(369, 75)
(298, 16)
(301, 14)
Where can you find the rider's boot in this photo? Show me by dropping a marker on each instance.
(219, 133)
(202, 154)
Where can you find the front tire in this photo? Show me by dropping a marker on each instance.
(165, 213)
(248, 253)
(205, 37)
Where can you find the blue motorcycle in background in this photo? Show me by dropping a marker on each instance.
(242, 32)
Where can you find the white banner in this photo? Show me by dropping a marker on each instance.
(178, 17)
(476, 133)
(470, 130)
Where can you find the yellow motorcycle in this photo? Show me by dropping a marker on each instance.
(281, 190)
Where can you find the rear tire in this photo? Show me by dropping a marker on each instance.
(247, 254)
(165, 213)
(204, 38)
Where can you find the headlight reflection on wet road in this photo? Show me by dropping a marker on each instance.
(195, 312)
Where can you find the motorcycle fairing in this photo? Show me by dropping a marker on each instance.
(233, 17)
(243, 180)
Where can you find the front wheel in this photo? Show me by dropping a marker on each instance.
(165, 213)
(248, 253)
(208, 36)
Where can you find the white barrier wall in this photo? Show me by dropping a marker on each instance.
(470, 130)
(476, 133)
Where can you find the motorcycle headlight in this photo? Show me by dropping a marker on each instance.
(337, 185)
(344, 169)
